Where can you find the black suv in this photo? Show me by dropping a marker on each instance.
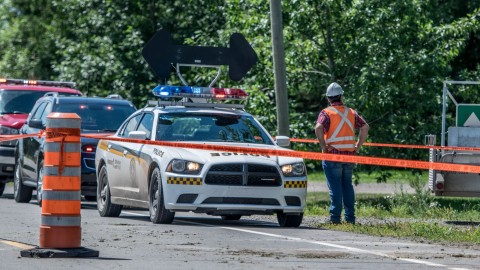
(98, 115)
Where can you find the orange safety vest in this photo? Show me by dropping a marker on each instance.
(341, 134)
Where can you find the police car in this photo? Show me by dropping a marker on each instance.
(174, 178)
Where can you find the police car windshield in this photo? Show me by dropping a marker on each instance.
(210, 128)
(98, 117)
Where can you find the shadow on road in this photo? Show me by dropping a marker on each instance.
(247, 222)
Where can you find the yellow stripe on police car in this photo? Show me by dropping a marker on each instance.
(184, 181)
(295, 184)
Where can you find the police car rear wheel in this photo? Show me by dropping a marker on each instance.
(285, 220)
(104, 204)
(158, 213)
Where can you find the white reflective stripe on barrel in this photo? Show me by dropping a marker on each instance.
(67, 171)
(61, 221)
(67, 147)
(63, 123)
(61, 195)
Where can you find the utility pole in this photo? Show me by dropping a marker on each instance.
(281, 94)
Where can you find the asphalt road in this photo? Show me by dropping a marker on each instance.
(203, 242)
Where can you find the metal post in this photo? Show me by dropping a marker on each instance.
(281, 96)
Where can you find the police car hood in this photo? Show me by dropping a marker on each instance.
(220, 156)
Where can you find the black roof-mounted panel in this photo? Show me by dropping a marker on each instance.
(160, 53)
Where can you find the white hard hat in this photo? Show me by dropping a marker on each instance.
(334, 89)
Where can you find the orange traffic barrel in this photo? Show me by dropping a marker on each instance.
(60, 229)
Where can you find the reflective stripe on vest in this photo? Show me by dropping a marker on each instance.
(343, 137)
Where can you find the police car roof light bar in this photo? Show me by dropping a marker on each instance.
(172, 91)
(158, 103)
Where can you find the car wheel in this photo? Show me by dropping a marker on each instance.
(104, 204)
(286, 220)
(2, 188)
(90, 198)
(21, 193)
(40, 184)
(158, 212)
(231, 217)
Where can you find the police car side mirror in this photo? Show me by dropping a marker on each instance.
(282, 141)
(139, 135)
(36, 123)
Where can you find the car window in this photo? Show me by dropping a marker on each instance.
(46, 112)
(210, 127)
(131, 125)
(98, 117)
(146, 124)
(37, 114)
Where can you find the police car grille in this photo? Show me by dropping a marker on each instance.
(243, 174)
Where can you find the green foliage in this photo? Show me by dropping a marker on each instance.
(418, 230)
(390, 56)
(418, 215)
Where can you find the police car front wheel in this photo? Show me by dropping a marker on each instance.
(158, 213)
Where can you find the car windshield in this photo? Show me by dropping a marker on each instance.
(98, 117)
(210, 128)
(21, 101)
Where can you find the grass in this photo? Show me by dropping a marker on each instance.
(418, 216)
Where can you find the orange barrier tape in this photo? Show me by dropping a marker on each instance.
(4, 138)
(413, 146)
(390, 162)
(401, 163)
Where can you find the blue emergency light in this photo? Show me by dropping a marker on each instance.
(171, 91)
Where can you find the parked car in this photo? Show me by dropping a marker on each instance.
(98, 115)
(17, 98)
(167, 179)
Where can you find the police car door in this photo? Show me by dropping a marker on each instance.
(117, 162)
(134, 164)
(139, 162)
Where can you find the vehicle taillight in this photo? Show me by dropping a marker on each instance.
(89, 148)
(440, 186)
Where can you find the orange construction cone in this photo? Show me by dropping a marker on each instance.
(60, 229)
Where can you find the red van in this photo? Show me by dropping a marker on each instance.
(17, 98)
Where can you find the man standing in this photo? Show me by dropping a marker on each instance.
(335, 130)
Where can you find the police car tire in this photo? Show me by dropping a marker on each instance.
(158, 213)
(104, 205)
(21, 193)
(285, 220)
(231, 217)
(2, 188)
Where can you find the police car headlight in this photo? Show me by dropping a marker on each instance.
(184, 166)
(295, 169)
